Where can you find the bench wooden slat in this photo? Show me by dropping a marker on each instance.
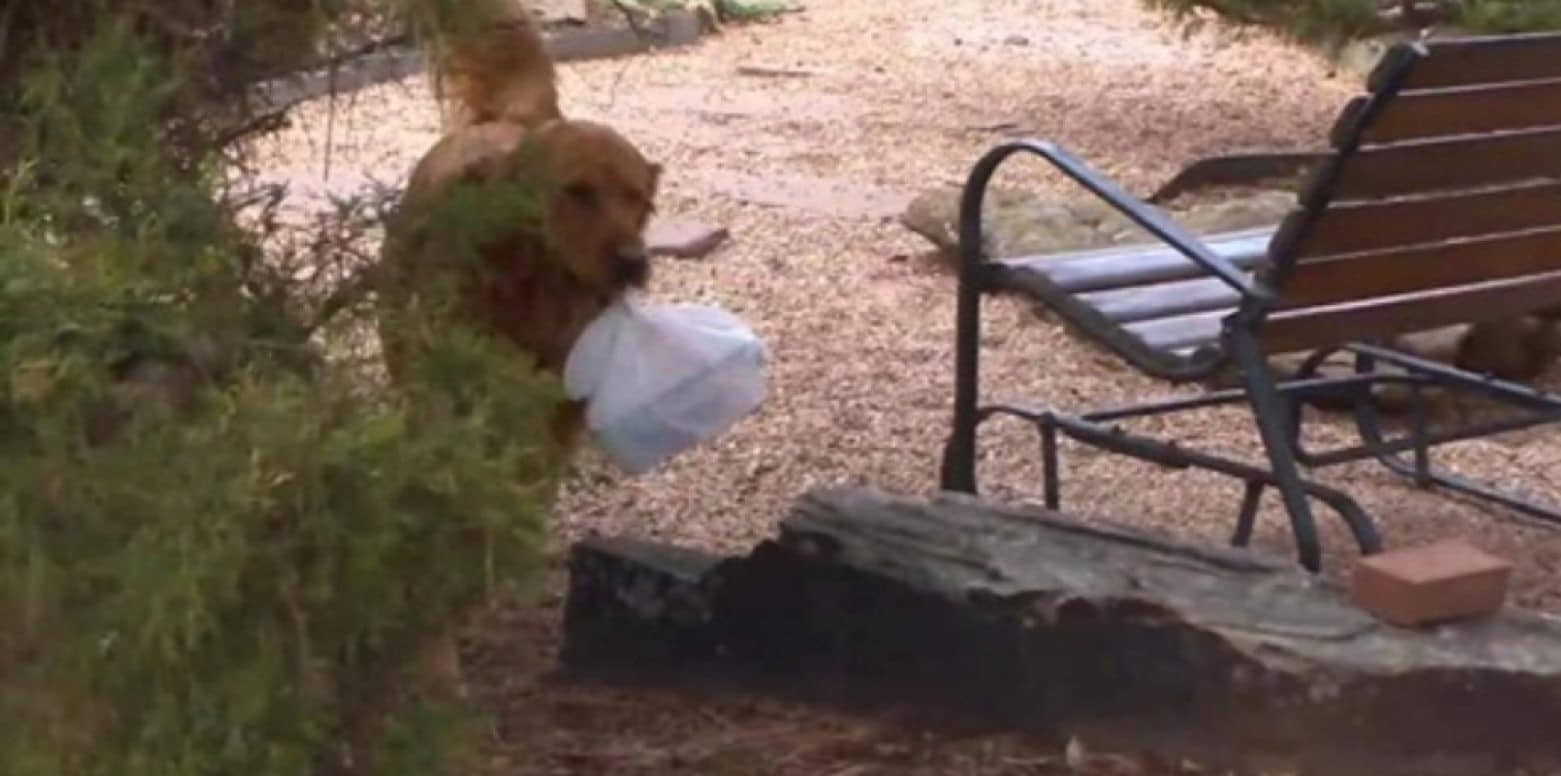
(1463, 162)
(1098, 270)
(1316, 327)
(1446, 209)
(1180, 332)
(1350, 227)
(1482, 60)
(1162, 300)
(1456, 111)
(1350, 277)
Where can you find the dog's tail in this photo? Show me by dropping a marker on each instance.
(501, 72)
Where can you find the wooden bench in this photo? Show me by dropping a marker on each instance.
(1438, 204)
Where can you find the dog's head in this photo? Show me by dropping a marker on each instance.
(600, 192)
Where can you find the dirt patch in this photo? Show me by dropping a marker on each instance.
(551, 724)
(830, 197)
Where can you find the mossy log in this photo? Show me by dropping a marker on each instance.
(1035, 620)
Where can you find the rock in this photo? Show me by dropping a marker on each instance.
(1258, 208)
(1024, 226)
(1518, 349)
(1391, 399)
(1239, 172)
(1356, 59)
(551, 12)
(1033, 620)
(707, 12)
(1015, 224)
(1016, 40)
(1442, 345)
(684, 239)
(933, 215)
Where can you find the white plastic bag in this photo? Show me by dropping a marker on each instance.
(660, 379)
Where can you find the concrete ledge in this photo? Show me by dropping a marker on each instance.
(673, 29)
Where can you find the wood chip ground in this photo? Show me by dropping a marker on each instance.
(861, 322)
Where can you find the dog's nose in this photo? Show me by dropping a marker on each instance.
(633, 264)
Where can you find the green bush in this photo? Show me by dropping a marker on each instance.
(1334, 20)
(219, 540)
(1511, 15)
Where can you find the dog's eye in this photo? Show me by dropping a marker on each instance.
(581, 193)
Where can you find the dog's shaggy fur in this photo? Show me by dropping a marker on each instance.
(540, 282)
(499, 74)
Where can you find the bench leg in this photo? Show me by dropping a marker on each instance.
(1419, 468)
(959, 454)
(1275, 424)
(1251, 499)
(957, 473)
(1172, 456)
(1050, 465)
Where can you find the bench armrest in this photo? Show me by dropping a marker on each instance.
(1151, 219)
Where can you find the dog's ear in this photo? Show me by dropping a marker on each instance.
(490, 168)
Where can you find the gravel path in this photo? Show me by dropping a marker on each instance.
(807, 172)
(807, 169)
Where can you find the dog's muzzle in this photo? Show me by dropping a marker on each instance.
(633, 266)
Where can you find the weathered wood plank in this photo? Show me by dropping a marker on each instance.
(1484, 59)
(1319, 327)
(1377, 274)
(1033, 619)
(1460, 111)
(1350, 227)
(1462, 162)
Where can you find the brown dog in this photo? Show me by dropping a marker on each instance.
(542, 282)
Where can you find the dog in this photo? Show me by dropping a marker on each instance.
(540, 284)
(538, 281)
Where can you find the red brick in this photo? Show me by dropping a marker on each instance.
(1447, 580)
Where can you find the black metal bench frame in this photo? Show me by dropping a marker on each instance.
(1277, 405)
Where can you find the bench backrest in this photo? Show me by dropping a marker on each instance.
(1440, 204)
